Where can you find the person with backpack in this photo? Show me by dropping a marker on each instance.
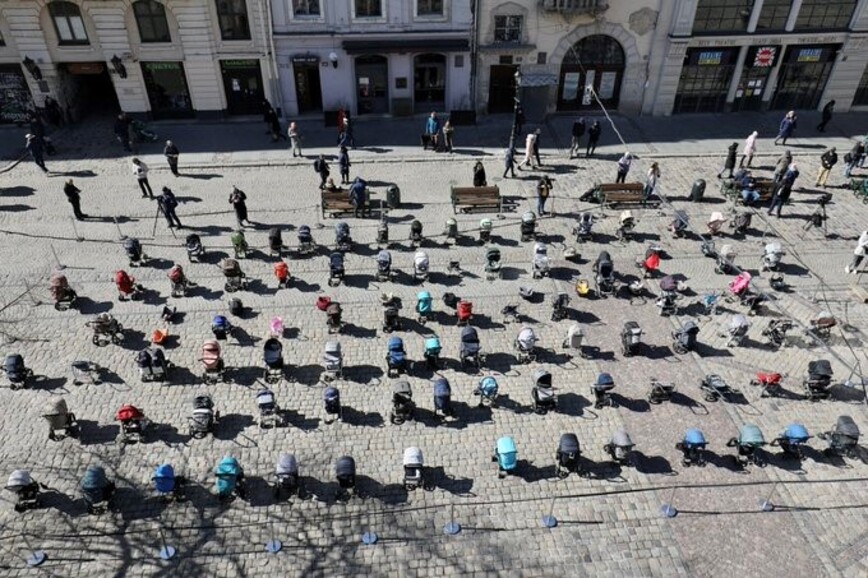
(543, 191)
(168, 203)
(782, 193)
(358, 196)
(509, 162)
(852, 158)
(322, 168)
(578, 132)
(238, 200)
(729, 163)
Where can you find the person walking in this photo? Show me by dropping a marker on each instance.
(122, 131)
(593, 138)
(509, 162)
(322, 169)
(33, 145)
(346, 137)
(578, 132)
(729, 163)
(624, 167)
(359, 197)
(852, 158)
(537, 134)
(749, 150)
(479, 178)
(788, 126)
(73, 195)
(528, 151)
(172, 153)
(827, 161)
(294, 139)
(238, 200)
(274, 125)
(432, 130)
(651, 181)
(826, 115)
(167, 204)
(858, 254)
(448, 133)
(140, 169)
(782, 193)
(344, 163)
(543, 191)
(782, 165)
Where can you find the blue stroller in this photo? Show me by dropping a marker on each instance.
(396, 357)
(442, 398)
(332, 401)
(221, 327)
(692, 448)
(403, 406)
(230, 478)
(506, 456)
(432, 351)
(343, 241)
(336, 269)
(469, 351)
(601, 389)
(166, 484)
(424, 306)
(543, 392)
(287, 479)
(567, 457)
(345, 472)
(750, 439)
(305, 241)
(16, 371)
(97, 490)
(792, 441)
(487, 391)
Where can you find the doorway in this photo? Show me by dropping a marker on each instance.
(597, 61)
(166, 84)
(242, 81)
(88, 89)
(308, 91)
(803, 75)
(429, 82)
(501, 88)
(372, 84)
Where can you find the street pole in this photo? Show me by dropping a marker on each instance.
(515, 110)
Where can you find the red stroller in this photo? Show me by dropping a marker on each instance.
(127, 286)
(133, 424)
(465, 312)
(770, 382)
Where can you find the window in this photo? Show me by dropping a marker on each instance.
(232, 15)
(305, 8)
(369, 9)
(151, 19)
(705, 79)
(825, 14)
(429, 7)
(774, 14)
(507, 28)
(722, 15)
(861, 97)
(68, 23)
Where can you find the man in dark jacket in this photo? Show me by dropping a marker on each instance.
(852, 158)
(168, 203)
(358, 196)
(122, 131)
(73, 195)
(509, 162)
(827, 161)
(479, 178)
(729, 164)
(538, 134)
(322, 168)
(34, 147)
(593, 137)
(344, 163)
(172, 153)
(782, 193)
(826, 115)
(578, 133)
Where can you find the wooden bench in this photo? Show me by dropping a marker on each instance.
(469, 198)
(612, 194)
(764, 186)
(338, 202)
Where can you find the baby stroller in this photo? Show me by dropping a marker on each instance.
(620, 447)
(739, 288)
(221, 327)
(604, 274)
(725, 260)
(792, 441)
(626, 222)
(336, 269)
(275, 242)
(333, 361)
(450, 230)
(96, 490)
(506, 456)
(85, 372)
(776, 331)
(384, 266)
(396, 357)
(844, 439)
(413, 468)
(195, 250)
(212, 362)
(403, 406)
(492, 263)
(61, 293)
(470, 350)
(667, 302)
(819, 381)
(230, 479)
(420, 266)
(583, 230)
(631, 338)
(416, 233)
(737, 330)
(464, 311)
(822, 324)
(25, 488)
(750, 439)
(391, 318)
(166, 483)
(281, 273)
(715, 223)
(528, 227)
(601, 390)
(334, 315)
(204, 417)
(269, 411)
(568, 456)
(716, 388)
(487, 391)
(272, 356)
(236, 280)
(772, 254)
(692, 448)
(684, 340)
(560, 303)
(432, 352)
(651, 262)
(740, 223)
(383, 232)
(345, 472)
(680, 224)
(134, 424)
(135, 254)
(525, 345)
(442, 398)
(660, 391)
(306, 245)
(127, 286)
(770, 382)
(575, 340)
(287, 481)
(424, 306)
(543, 392)
(331, 398)
(343, 241)
(16, 372)
(239, 244)
(106, 329)
(178, 280)
(541, 266)
(485, 230)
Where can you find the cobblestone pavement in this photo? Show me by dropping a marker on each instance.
(610, 520)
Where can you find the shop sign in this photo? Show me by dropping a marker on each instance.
(809, 55)
(225, 64)
(765, 56)
(162, 65)
(85, 67)
(709, 58)
(306, 59)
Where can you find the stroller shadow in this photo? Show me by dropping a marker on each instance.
(596, 354)
(531, 473)
(657, 351)
(169, 434)
(466, 414)
(572, 404)
(439, 278)
(258, 492)
(306, 374)
(232, 424)
(652, 464)
(512, 273)
(92, 433)
(44, 383)
(183, 376)
(364, 374)
(354, 417)
(724, 461)
(485, 322)
(679, 398)
(88, 306)
(437, 478)
(501, 362)
(389, 494)
(704, 350)
(299, 420)
(304, 286)
(509, 404)
(134, 339)
(359, 332)
(204, 293)
(784, 462)
(133, 504)
(637, 405)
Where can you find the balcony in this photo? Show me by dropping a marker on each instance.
(574, 6)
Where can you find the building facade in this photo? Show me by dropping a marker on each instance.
(395, 57)
(179, 59)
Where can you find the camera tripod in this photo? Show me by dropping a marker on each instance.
(819, 217)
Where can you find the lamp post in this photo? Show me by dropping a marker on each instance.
(516, 109)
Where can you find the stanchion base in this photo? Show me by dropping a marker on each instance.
(274, 546)
(766, 506)
(669, 510)
(167, 552)
(36, 558)
(370, 538)
(451, 528)
(549, 521)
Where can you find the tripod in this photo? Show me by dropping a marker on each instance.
(818, 218)
(157, 218)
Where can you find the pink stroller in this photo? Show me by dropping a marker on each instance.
(739, 289)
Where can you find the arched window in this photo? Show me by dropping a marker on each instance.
(596, 50)
(68, 23)
(151, 20)
(595, 62)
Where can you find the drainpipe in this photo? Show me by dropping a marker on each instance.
(474, 39)
(268, 36)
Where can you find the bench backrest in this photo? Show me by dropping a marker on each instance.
(618, 187)
(493, 191)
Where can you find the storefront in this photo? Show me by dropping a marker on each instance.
(242, 81)
(308, 91)
(429, 82)
(372, 84)
(166, 84)
(14, 94)
(705, 79)
(803, 76)
(758, 64)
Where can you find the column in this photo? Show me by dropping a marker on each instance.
(794, 14)
(736, 75)
(754, 16)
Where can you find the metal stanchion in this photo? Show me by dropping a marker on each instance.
(273, 545)
(766, 504)
(167, 552)
(452, 527)
(121, 236)
(78, 237)
(667, 509)
(549, 520)
(60, 266)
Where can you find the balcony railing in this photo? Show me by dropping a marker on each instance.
(575, 6)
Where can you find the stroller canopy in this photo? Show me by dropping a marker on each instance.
(469, 335)
(488, 386)
(331, 395)
(689, 328)
(413, 457)
(272, 351)
(603, 265)
(332, 350)
(542, 378)
(94, 479)
(668, 283)
(751, 435)
(716, 218)
(336, 260)
(193, 241)
(820, 368)
(528, 218)
(18, 479)
(132, 246)
(416, 227)
(264, 397)
(727, 252)
(442, 388)
(228, 467)
(342, 230)
(164, 478)
(738, 323)
(506, 449)
(402, 388)
(604, 380)
(773, 249)
(492, 254)
(540, 249)
(384, 258)
(396, 345)
(526, 338)
(569, 443)
(58, 280)
(796, 432)
(203, 401)
(420, 259)
(695, 437)
(622, 439)
(586, 219)
(485, 224)
(55, 405)
(129, 412)
(287, 465)
(682, 218)
(13, 364)
(230, 267)
(345, 467)
(432, 345)
(238, 240)
(626, 217)
(304, 235)
(845, 426)
(275, 237)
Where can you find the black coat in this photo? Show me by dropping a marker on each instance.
(594, 132)
(730, 157)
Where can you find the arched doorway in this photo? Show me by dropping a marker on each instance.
(372, 84)
(429, 82)
(596, 60)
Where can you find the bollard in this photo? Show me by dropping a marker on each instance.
(766, 504)
(167, 552)
(36, 557)
(667, 509)
(452, 527)
(549, 520)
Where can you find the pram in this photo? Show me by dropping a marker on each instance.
(391, 318)
(230, 479)
(844, 439)
(493, 263)
(716, 388)
(212, 362)
(106, 329)
(127, 286)
(336, 269)
(450, 230)
(384, 266)
(272, 356)
(469, 352)
(487, 391)
(236, 280)
(269, 411)
(464, 311)
(485, 227)
(822, 324)
(96, 490)
(528, 227)
(134, 424)
(333, 361)
(432, 352)
(413, 463)
(134, 251)
(568, 456)
(715, 223)
(331, 398)
(306, 246)
(420, 266)
(204, 417)
(178, 280)
(604, 274)
(740, 223)
(343, 241)
(239, 244)
(772, 254)
(818, 384)
(152, 364)
(383, 232)
(195, 249)
(725, 260)
(692, 448)
(680, 224)
(684, 340)
(85, 372)
(345, 472)
(650, 264)
(442, 398)
(626, 223)
(792, 441)
(601, 390)
(424, 306)
(660, 391)
(620, 447)
(737, 330)
(275, 242)
(631, 338)
(541, 266)
(750, 439)
(16, 372)
(61, 293)
(403, 406)
(770, 382)
(166, 484)
(281, 273)
(334, 315)
(584, 228)
(396, 357)
(506, 456)
(575, 341)
(739, 288)
(543, 392)
(287, 481)
(416, 233)
(525, 345)
(667, 303)
(560, 306)
(25, 488)
(221, 327)
(776, 331)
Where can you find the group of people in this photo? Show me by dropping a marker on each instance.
(437, 136)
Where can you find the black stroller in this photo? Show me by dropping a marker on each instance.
(844, 439)
(604, 274)
(334, 315)
(332, 404)
(684, 340)
(195, 249)
(134, 251)
(560, 306)
(470, 350)
(287, 481)
(16, 372)
(336, 269)
(415, 234)
(442, 398)
(528, 227)
(568, 456)
(343, 241)
(601, 390)
(776, 331)
(660, 391)
(383, 232)
(679, 225)
(96, 490)
(204, 416)
(391, 318)
(403, 406)
(620, 447)
(25, 488)
(59, 419)
(715, 388)
(272, 356)
(543, 392)
(631, 338)
(740, 223)
(306, 245)
(584, 228)
(818, 384)
(384, 266)
(275, 242)
(667, 302)
(345, 472)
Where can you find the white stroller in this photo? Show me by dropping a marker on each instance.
(737, 330)
(541, 267)
(413, 468)
(725, 260)
(269, 411)
(626, 223)
(25, 488)
(420, 266)
(584, 228)
(715, 223)
(525, 345)
(575, 341)
(333, 361)
(287, 479)
(772, 256)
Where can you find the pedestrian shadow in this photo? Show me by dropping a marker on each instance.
(203, 176)
(18, 191)
(17, 208)
(375, 150)
(86, 173)
(188, 199)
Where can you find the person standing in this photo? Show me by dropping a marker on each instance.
(543, 191)
(168, 203)
(274, 125)
(858, 254)
(729, 163)
(782, 193)
(520, 119)
(578, 132)
(344, 162)
(172, 153)
(122, 131)
(593, 138)
(827, 161)
(140, 169)
(624, 167)
(448, 132)
(294, 139)
(782, 165)
(36, 150)
(347, 137)
(788, 126)
(359, 196)
(651, 181)
(852, 158)
(73, 195)
(528, 151)
(509, 162)
(479, 178)
(826, 115)
(238, 200)
(749, 150)
(432, 129)
(537, 133)
(322, 168)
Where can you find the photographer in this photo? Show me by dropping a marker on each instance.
(543, 190)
